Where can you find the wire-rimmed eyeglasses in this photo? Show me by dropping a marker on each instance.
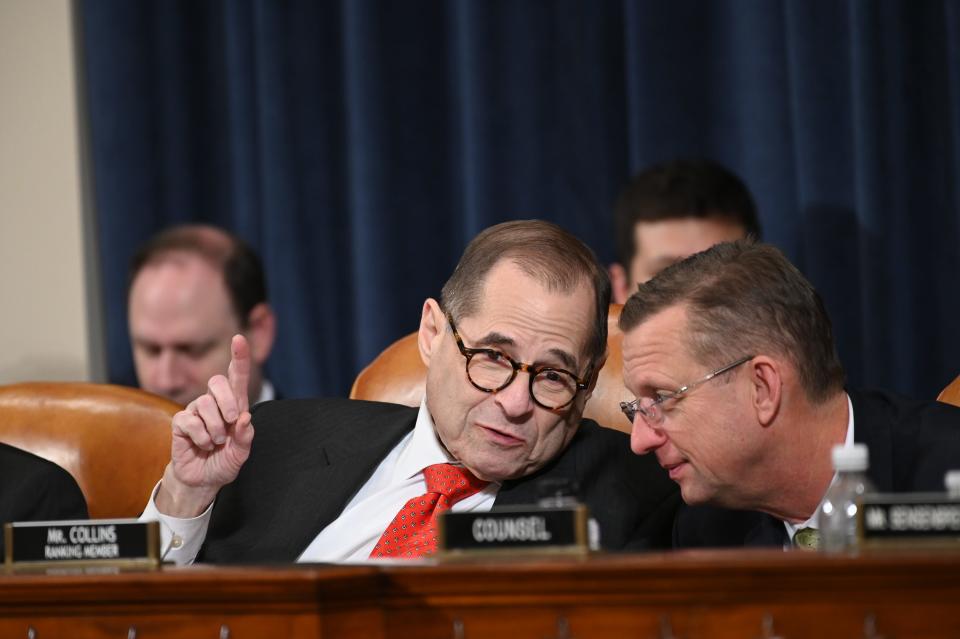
(491, 370)
(651, 408)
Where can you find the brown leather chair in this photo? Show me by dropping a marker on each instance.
(397, 375)
(951, 394)
(114, 440)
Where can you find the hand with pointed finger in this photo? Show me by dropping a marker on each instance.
(211, 440)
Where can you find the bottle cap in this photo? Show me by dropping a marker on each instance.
(557, 492)
(850, 458)
(951, 481)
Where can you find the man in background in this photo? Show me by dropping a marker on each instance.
(673, 210)
(192, 288)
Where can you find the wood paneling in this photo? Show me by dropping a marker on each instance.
(692, 594)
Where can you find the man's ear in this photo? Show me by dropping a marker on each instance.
(767, 385)
(261, 332)
(619, 281)
(433, 324)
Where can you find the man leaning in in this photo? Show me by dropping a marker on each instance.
(741, 397)
(512, 350)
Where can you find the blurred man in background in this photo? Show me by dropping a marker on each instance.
(673, 210)
(192, 288)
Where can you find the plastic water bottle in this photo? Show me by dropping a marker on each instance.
(562, 493)
(837, 519)
(951, 481)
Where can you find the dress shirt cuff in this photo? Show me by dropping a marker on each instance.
(180, 539)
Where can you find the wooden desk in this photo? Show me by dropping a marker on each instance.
(691, 594)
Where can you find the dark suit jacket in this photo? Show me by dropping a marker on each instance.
(34, 489)
(310, 457)
(912, 445)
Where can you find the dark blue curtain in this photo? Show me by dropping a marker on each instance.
(358, 145)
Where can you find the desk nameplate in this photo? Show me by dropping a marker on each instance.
(92, 542)
(906, 519)
(515, 530)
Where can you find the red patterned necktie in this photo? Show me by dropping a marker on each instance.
(413, 532)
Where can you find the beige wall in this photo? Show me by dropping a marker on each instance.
(44, 332)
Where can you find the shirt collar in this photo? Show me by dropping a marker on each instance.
(422, 449)
(267, 392)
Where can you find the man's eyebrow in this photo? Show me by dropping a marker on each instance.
(567, 360)
(200, 346)
(494, 338)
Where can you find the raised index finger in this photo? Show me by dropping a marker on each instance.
(238, 374)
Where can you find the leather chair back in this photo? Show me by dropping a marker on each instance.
(951, 394)
(114, 440)
(398, 375)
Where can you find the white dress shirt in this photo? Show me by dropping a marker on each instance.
(350, 537)
(267, 392)
(813, 521)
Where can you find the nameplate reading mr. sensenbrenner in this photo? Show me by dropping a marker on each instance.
(93, 542)
(518, 530)
(910, 519)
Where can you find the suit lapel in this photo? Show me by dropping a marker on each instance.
(344, 462)
(769, 531)
(309, 459)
